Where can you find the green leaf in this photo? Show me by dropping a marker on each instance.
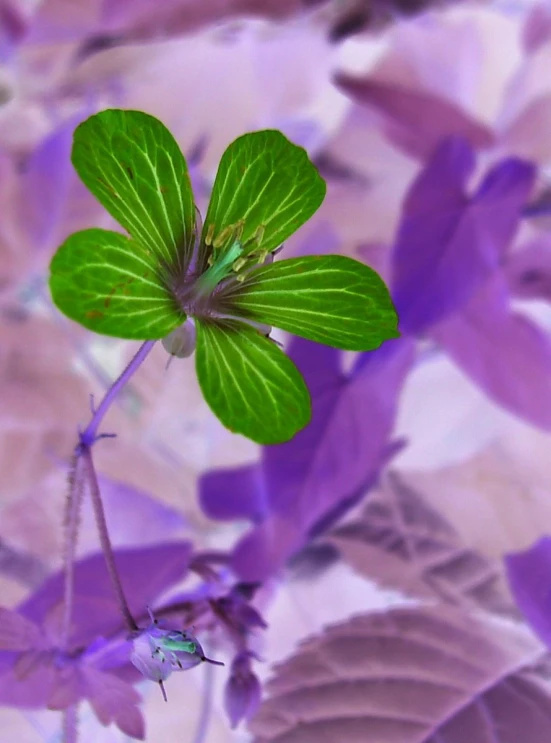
(110, 284)
(269, 183)
(249, 383)
(330, 299)
(134, 167)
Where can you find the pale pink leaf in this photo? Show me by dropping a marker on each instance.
(527, 135)
(503, 352)
(409, 675)
(537, 28)
(402, 543)
(42, 400)
(414, 120)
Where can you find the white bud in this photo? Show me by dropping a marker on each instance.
(181, 342)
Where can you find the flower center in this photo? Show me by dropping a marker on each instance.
(222, 267)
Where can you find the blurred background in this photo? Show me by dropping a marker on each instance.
(371, 88)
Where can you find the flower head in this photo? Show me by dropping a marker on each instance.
(221, 273)
(235, 611)
(157, 651)
(38, 669)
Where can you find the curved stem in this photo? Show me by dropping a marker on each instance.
(105, 541)
(82, 460)
(90, 433)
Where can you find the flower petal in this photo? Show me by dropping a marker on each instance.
(330, 299)
(506, 354)
(249, 383)
(414, 120)
(134, 167)
(313, 479)
(269, 184)
(110, 284)
(448, 243)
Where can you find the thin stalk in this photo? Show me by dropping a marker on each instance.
(90, 434)
(205, 712)
(71, 524)
(82, 468)
(70, 724)
(104, 538)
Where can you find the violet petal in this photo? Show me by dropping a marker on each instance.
(449, 243)
(145, 574)
(414, 120)
(504, 353)
(326, 463)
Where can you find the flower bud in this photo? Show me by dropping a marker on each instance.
(181, 342)
(156, 652)
(243, 690)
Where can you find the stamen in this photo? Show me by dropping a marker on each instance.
(221, 268)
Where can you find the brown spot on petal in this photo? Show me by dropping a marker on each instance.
(94, 314)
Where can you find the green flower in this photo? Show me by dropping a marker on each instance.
(144, 286)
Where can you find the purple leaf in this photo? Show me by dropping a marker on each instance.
(53, 679)
(448, 243)
(13, 25)
(529, 574)
(18, 633)
(145, 573)
(402, 543)
(238, 493)
(134, 515)
(414, 120)
(505, 354)
(25, 688)
(114, 700)
(44, 186)
(409, 675)
(330, 462)
(53, 201)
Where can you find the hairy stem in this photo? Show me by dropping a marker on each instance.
(105, 541)
(81, 469)
(71, 523)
